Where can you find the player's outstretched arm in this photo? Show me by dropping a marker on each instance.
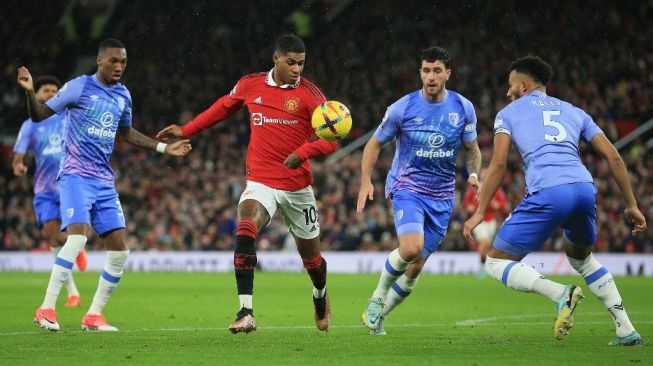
(370, 155)
(604, 147)
(171, 131)
(37, 111)
(18, 165)
(178, 148)
(493, 178)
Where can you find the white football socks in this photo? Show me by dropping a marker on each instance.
(394, 267)
(602, 284)
(113, 269)
(62, 268)
(70, 283)
(400, 291)
(246, 301)
(522, 277)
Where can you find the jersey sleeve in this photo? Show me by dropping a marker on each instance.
(67, 96)
(502, 124)
(126, 118)
(22, 141)
(391, 123)
(589, 128)
(218, 112)
(469, 133)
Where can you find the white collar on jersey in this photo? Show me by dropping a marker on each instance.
(270, 81)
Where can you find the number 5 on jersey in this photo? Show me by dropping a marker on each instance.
(562, 133)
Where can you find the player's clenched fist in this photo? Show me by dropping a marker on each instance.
(25, 79)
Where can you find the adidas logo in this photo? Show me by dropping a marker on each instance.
(313, 229)
(258, 100)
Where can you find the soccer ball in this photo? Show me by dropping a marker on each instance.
(331, 121)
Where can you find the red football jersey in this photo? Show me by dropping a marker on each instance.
(498, 205)
(280, 122)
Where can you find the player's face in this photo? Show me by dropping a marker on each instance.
(516, 85)
(46, 91)
(434, 77)
(111, 64)
(288, 66)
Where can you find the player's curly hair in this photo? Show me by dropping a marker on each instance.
(46, 80)
(435, 53)
(534, 67)
(289, 43)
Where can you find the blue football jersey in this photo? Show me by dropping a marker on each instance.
(546, 132)
(45, 139)
(94, 111)
(428, 137)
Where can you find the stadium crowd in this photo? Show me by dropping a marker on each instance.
(182, 58)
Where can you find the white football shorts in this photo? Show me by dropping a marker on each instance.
(298, 208)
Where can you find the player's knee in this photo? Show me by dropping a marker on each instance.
(315, 263)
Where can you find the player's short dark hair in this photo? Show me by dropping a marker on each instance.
(46, 80)
(534, 67)
(289, 43)
(435, 53)
(110, 43)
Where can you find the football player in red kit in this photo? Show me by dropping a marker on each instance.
(280, 104)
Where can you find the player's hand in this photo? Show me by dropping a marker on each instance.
(20, 169)
(634, 217)
(172, 131)
(293, 161)
(366, 191)
(469, 226)
(476, 185)
(179, 148)
(25, 79)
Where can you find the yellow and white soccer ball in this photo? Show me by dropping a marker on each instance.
(331, 121)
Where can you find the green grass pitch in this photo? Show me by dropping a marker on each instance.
(182, 319)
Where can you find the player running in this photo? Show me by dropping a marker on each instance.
(497, 210)
(278, 171)
(430, 125)
(45, 140)
(546, 132)
(97, 107)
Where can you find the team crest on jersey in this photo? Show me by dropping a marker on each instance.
(454, 118)
(291, 104)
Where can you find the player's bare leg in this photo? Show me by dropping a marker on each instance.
(316, 266)
(56, 239)
(251, 216)
(46, 316)
(117, 253)
(602, 284)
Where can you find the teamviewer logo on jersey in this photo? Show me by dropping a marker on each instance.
(257, 119)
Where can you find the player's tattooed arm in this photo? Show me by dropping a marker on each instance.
(472, 156)
(177, 148)
(137, 139)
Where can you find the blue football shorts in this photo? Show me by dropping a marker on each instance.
(90, 201)
(571, 207)
(415, 213)
(46, 208)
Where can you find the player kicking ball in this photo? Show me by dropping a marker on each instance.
(561, 193)
(278, 171)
